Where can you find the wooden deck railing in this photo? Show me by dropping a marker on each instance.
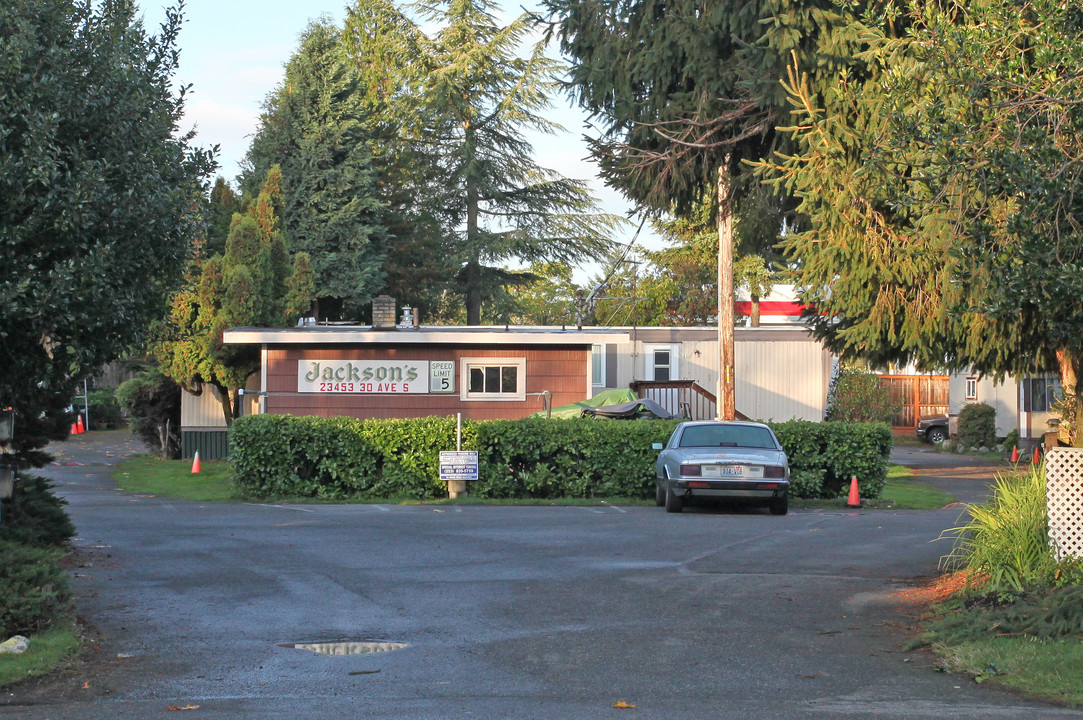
(678, 396)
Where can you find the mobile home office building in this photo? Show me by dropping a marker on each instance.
(497, 372)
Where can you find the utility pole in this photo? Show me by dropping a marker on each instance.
(726, 404)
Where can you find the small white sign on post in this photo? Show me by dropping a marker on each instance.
(459, 465)
(456, 467)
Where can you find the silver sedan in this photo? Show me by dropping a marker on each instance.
(723, 461)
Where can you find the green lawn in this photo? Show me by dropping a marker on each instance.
(47, 651)
(149, 475)
(1042, 668)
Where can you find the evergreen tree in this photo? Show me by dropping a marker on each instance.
(687, 92)
(98, 187)
(315, 127)
(253, 283)
(945, 222)
(221, 206)
(473, 96)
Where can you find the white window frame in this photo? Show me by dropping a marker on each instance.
(464, 379)
(674, 359)
(970, 391)
(597, 366)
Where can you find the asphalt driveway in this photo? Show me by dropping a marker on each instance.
(507, 612)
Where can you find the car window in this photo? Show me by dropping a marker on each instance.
(727, 436)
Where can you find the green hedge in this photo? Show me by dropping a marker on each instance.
(824, 456)
(284, 455)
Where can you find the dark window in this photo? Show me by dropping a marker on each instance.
(494, 379)
(661, 365)
(1039, 394)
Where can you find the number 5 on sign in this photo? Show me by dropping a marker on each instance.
(442, 376)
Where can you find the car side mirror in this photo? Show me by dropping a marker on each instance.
(656, 446)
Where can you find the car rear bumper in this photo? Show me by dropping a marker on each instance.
(736, 489)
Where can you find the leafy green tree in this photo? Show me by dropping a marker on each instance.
(254, 283)
(315, 126)
(98, 191)
(939, 179)
(548, 300)
(474, 95)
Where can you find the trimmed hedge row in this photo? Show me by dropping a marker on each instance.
(334, 458)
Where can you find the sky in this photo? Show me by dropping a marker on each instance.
(233, 54)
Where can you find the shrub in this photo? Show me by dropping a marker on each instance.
(541, 458)
(977, 426)
(1005, 548)
(857, 396)
(103, 409)
(34, 515)
(34, 591)
(153, 403)
(408, 453)
(283, 455)
(834, 452)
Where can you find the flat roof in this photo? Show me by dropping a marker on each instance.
(426, 334)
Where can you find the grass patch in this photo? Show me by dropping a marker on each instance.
(47, 651)
(901, 492)
(1043, 668)
(1046, 668)
(150, 475)
(173, 478)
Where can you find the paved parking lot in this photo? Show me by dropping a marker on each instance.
(506, 612)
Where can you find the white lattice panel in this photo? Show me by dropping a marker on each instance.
(1064, 500)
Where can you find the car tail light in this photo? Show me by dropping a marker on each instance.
(699, 484)
(692, 470)
(774, 471)
(767, 486)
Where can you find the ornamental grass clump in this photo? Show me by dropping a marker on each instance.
(1005, 549)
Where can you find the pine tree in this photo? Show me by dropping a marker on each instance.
(221, 206)
(316, 129)
(468, 96)
(687, 92)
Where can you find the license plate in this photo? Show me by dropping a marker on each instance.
(733, 471)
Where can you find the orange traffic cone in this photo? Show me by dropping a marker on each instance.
(79, 423)
(74, 430)
(195, 463)
(854, 500)
(1015, 454)
(1037, 458)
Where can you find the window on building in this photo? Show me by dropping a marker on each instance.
(493, 378)
(971, 388)
(1039, 393)
(597, 365)
(661, 362)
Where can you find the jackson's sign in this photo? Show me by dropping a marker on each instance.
(363, 376)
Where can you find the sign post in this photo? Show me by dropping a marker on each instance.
(456, 467)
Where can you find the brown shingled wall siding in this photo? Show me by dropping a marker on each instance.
(561, 370)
